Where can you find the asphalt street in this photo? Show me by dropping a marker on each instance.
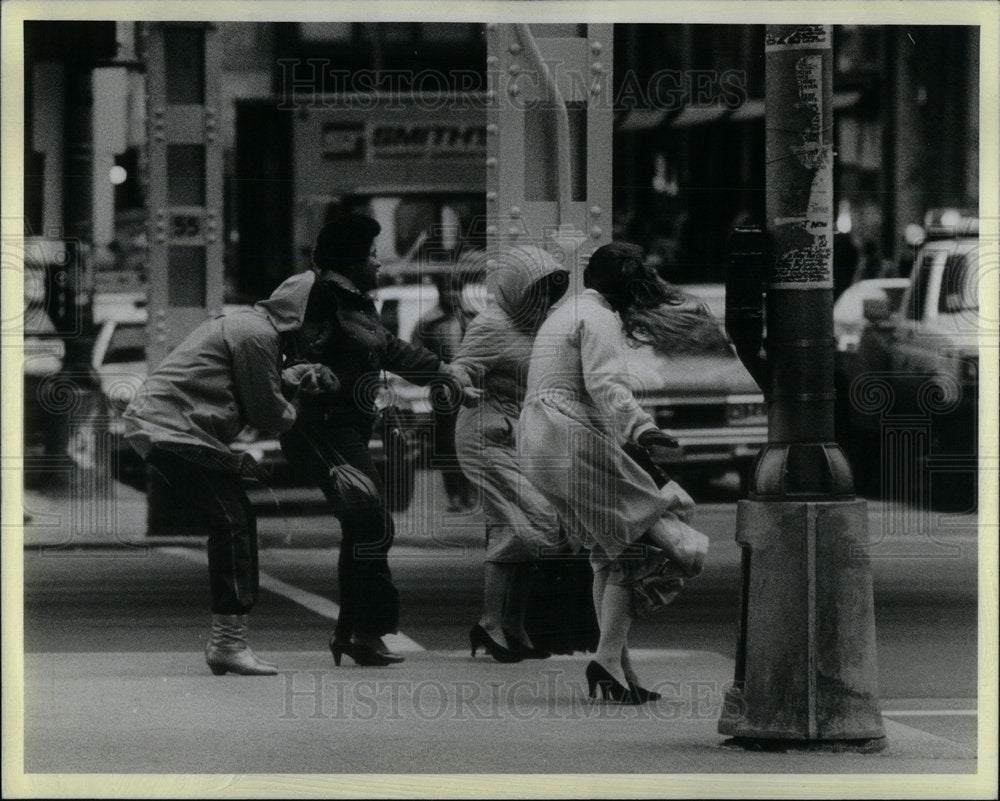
(137, 613)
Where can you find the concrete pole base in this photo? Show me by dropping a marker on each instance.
(873, 746)
(808, 670)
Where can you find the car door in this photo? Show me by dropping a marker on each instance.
(909, 344)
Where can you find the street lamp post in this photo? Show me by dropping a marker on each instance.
(806, 667)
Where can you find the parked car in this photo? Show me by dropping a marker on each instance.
(914, 400)
(848, 324)
(708, 402)
(44, 351)
(118, 359)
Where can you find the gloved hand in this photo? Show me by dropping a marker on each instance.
(654, 438)
(311, 379)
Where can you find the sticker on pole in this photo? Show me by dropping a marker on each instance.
(805, 229)
(797, 38)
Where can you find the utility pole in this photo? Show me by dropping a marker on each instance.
(806, 668)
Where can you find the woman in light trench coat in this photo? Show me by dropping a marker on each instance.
(520, 523)
(579, 412)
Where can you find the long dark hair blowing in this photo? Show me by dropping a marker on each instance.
(653, 312)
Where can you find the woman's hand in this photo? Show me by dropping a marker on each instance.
(471, 396)
(456, 374)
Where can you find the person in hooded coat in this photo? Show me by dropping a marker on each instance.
(227, 374)
(520, 524)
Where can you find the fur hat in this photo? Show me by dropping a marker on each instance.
(345, 241)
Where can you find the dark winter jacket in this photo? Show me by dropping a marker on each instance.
(360, 348)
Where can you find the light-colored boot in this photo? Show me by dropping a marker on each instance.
(227, 649)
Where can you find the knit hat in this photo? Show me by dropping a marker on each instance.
(345, 241)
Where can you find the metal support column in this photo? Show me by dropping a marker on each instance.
(549, 127)
(184, 216)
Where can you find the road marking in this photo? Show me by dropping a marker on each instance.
(930, 713)
(314, 603)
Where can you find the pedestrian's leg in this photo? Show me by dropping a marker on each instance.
(616, 619)
(627, 666)
(517, 606)
(374, 598)
(218, 499)
(496, 590)
(344, 629)
(310, 445)
(600, 582)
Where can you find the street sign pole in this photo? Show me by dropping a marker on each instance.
(807, 669)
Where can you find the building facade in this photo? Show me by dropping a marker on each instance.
(688, 151)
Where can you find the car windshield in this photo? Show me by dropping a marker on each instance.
(128, 344)
(960, 285)
(918, 295)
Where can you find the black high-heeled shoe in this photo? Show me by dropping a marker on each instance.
(518, 647)
(642, 693)
(480, 636)
(363, 655)
(611, 689)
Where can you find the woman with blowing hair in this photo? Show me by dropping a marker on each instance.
(579, 416)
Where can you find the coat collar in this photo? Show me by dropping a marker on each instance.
(598, 297)
(342, 282)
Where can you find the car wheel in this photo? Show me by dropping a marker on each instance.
(953, 492)
(952, 479)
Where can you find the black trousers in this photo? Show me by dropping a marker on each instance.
(216, 502)
(369, 601)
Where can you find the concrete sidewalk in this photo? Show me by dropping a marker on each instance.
(437, 713)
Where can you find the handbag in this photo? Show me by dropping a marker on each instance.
(687, 547)
(347, 486)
